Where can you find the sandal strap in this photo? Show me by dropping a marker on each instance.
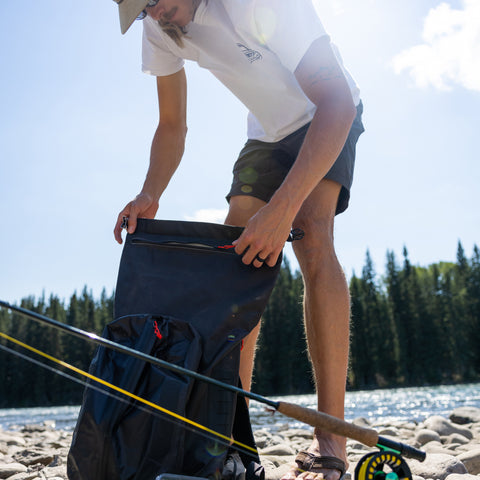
(307, 461)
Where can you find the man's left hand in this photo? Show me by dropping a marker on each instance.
(264, 236)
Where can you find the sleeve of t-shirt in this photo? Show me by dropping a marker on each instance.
(157, 58)
(287, 28)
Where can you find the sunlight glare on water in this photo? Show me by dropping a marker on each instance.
(382, 406)
(377, 406)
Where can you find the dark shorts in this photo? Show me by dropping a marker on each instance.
(261, 166)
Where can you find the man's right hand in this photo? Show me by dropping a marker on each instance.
(167, 150)
(142, 207)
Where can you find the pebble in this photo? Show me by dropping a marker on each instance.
(39, 452)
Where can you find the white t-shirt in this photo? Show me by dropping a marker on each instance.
(253, 47)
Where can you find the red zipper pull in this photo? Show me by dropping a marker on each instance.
(225, 247)
(157, 330)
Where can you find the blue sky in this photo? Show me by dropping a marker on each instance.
(77, 116)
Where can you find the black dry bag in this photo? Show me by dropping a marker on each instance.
(183, 295)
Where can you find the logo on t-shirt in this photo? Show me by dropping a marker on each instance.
(252, 55)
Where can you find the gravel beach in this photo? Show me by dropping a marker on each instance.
(39, 452)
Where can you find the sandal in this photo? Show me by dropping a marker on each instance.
(309, 462)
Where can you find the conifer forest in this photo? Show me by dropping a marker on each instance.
(413, 325)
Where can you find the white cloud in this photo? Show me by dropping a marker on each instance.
(450, 53)
(212, 215)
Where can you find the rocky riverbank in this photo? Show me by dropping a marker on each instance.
(38, 452)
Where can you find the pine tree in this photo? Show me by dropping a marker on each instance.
(473, 309)
(104, 311)
(381, 341)
(281, 363)
(461, 274)
(57, 393)
(396, 305)
(5, 357)
(302, 377)
(359, 375)
(74, 349)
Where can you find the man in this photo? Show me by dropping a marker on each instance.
(294, 171)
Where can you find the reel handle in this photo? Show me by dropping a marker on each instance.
(402, 448)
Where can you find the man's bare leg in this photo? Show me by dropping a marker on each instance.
(327, 313)
(326, 310)
(242, 208)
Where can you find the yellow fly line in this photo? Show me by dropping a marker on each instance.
(129, 394)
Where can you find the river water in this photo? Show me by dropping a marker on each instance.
(382, 406)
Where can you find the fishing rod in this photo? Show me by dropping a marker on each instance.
(172, 416)
(104, 342)
(314, 418)
(146, 408)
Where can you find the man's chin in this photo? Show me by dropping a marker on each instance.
(178, 24)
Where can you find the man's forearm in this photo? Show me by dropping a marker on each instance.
(167, 149)
(322, 145)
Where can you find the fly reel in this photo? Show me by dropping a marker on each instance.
(383, 465)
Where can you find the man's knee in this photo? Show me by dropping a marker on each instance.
(317, 223)
(316, 218)
(318, 230)
(316, 250)
(317, 244)
(242, 208)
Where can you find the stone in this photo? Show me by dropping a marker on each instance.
(425, 435)
(261, 442)
(471, 460)
(282, 449)
(32, 457)
(265, 439)
(437, 466)
(37, 427)
(435, 447)
(353, 445)
(52, 437)
(445, 428)
(58, 471)
(9, 469)
(276, 473)
(10, 438)
(458, 476)
(300, 433)
(406, 432)
(455, 438)
(361, 422)
(409, 425)
(388, 432)
(24, 476)
(463, 415)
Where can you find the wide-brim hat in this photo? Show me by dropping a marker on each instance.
(129, 10)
